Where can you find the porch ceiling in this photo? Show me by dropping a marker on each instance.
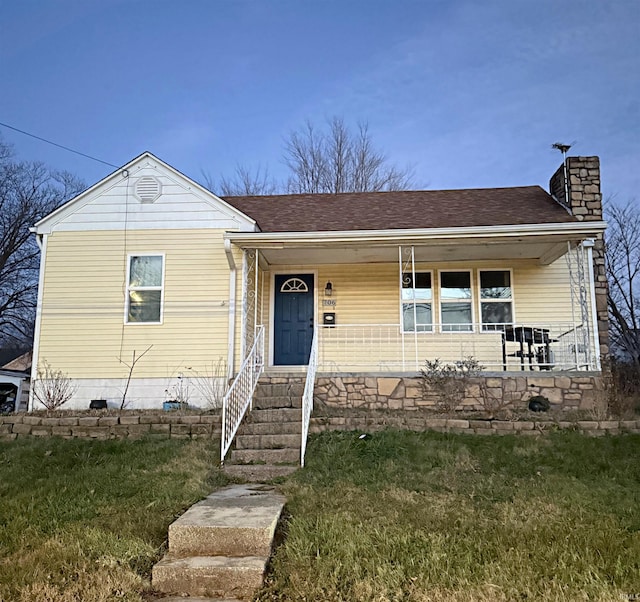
(544, 253)
(329, 248)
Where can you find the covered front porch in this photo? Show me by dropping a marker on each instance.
(357, 314)
(520, 300)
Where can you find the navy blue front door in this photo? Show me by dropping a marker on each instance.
(293, 319)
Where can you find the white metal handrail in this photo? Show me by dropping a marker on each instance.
(240, 395)
(307, 396)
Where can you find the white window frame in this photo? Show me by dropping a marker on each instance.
(129, 288)
(418, 301)
(441, 324)
(481, 300)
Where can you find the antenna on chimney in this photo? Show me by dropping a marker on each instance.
(563, 148)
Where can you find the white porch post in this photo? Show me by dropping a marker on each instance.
(249, 294)
(582, 344)
(589, 244)
(409, 265)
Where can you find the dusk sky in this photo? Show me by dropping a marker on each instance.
(470, 93)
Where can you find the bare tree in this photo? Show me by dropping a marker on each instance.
(28, 191)
(244, 182)
(339, 159)
(134, 360)
(623, 271)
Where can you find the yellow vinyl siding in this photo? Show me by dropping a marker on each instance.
(542, 293)
(370, 294)
(83, 330)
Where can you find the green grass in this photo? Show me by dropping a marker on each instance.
(434, 517)
(399, 516)
(86, 520)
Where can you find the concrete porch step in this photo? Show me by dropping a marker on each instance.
(211, 576)
(258, 473)
(271, 428)
(268, 441)
(267, 403)
(265, 456)
(292, 389)
(218, 549)
(234, 521)
(274, 415)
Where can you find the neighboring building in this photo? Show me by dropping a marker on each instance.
(147, 260)
(14, 383)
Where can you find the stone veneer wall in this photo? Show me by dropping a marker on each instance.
(128, 425)
(572, 390)
(585, 203)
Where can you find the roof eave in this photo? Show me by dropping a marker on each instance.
(570, 229)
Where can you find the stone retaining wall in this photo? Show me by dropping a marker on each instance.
(381, 420)
(123, 426)
(206, 426)
(565, 390)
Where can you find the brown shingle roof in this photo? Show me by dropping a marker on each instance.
(403, 209)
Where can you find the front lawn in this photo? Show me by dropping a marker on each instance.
(397, 516)
(84, 521)
(434, 517)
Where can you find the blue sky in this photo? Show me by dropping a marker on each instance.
(472, 94)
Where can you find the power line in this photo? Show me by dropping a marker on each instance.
(58, 145)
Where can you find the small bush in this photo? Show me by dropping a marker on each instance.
(452, 384)
(52, 388)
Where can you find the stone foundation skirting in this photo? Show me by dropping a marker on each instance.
(565, 390)
(129, 425)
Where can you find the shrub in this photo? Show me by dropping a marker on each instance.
(452, 384)
(52, 388)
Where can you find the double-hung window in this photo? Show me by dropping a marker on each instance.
(144, 289)
(496, 299)
(417, 299)
(456, 310)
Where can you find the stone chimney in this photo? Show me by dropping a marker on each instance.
(585, 203)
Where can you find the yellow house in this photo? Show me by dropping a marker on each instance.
(149, 268)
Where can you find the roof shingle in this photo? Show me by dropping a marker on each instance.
(402, 209)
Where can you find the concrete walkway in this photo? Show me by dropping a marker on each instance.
(218, 549)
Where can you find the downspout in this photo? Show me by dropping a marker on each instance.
(41, 239)
(232, 308)
(588, 245)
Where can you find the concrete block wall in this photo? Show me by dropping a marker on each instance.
(128, 425)
(376, 421)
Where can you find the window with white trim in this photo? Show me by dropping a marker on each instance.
(496, 299)
(417, 299)
(456, 308)
(144, 289)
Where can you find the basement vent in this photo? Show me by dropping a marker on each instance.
(147, 189)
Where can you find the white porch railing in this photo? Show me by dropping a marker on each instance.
(240, 394)
(307, 396)
(385, 348)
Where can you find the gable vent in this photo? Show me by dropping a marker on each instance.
(147, 189)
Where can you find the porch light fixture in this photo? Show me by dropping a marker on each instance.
(328, 289)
